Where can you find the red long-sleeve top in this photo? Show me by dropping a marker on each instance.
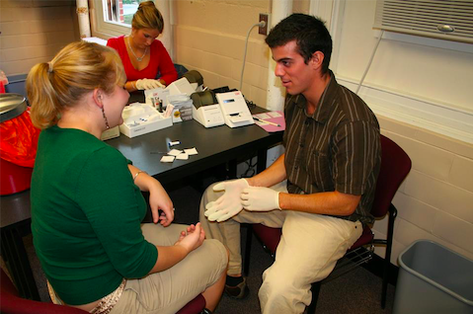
(160, 62)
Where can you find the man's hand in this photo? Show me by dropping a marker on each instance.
(260, 199)
(229, 204)
(148, 84)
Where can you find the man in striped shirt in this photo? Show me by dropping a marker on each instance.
(320, 191)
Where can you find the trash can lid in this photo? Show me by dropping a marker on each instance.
(11, 106)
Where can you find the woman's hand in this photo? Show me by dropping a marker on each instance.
(192, 239)
(145, 84)
(189, 240)
(159, 200)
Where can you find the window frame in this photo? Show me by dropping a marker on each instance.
(102, 29)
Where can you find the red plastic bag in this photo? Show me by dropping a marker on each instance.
(19, 140)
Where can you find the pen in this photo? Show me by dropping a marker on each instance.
(268, 122)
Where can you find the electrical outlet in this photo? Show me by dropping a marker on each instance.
(265, 18)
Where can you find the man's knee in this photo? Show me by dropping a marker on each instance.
(278, 283)
(284, 290)
(207, 197)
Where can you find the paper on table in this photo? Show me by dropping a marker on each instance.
(271, 116)
(191, 151)
(182, 156)
(179, 154)
(174, 152)
(167, 159)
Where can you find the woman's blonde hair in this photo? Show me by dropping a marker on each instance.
(77, 69)
(148, 16)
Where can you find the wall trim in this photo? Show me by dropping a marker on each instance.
(439, 118)
(425, 41)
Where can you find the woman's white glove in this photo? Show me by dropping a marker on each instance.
(148, 84)
(260, 199)
(229, 204)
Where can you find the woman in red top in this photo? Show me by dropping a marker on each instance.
(143, 56)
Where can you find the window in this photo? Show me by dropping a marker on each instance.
(112, 17)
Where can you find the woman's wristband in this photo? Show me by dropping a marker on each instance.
(136, 174)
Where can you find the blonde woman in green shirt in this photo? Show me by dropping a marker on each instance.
(87, 205)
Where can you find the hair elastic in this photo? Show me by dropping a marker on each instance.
(50, 67)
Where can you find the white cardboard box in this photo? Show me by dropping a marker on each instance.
(110, 133)
(140, 119)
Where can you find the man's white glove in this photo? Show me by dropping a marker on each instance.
(229, 204)
(260, 199)
(148, 84)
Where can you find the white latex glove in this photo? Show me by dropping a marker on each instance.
(148, 84)
(260, 199)
(229, 204)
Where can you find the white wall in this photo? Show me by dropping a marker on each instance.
(441, 75)
(436, 200)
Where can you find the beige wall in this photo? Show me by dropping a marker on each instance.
(210, 37)
(435, 202)
(34, 31)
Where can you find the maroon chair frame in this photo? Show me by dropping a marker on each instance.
(395, 166)
(12, 303)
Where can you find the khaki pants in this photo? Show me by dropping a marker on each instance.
(309, 248)
(168, 291)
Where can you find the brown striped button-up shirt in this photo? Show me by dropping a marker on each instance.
(337, 148)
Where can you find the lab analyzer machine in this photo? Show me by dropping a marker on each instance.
(234, 109)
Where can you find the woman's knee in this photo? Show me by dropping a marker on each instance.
(222, 260)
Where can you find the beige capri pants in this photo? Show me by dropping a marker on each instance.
(166, 292)
(309, 248)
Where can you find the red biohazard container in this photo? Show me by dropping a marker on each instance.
(13, 178)
(18, 144)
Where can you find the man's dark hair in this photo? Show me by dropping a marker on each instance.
(310, 34)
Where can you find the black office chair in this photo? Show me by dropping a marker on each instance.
(395, 166)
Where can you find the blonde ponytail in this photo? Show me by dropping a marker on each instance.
(40, 90)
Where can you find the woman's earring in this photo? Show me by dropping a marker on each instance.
(105, 118)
